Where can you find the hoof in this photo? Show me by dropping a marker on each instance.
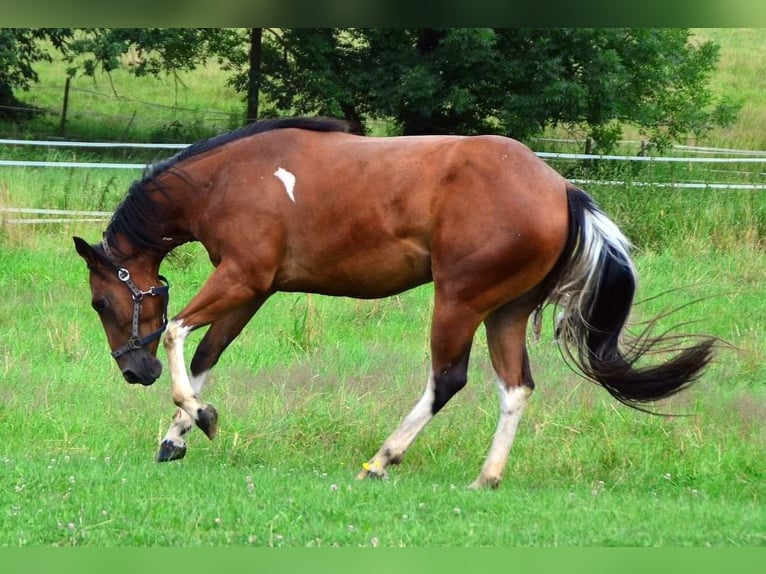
(207, 421)
(484, 483)
(169, 451)
(372, 470)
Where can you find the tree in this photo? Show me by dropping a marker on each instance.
(20, 50)
(157, 51)
(254, 74)
(513, 82)
(313, 71)
(510, 81)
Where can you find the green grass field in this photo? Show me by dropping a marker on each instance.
(314, 385)
(302, 408)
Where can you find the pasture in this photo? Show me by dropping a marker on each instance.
(313, 385)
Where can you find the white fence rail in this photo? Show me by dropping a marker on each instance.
(57, 143)
(67, 216)
(77, 164)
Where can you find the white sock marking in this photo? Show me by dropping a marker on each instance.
(183, 391)
(414, 422)
(400, 440)
(512, 404)
(288, 180)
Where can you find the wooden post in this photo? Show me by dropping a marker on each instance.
(586, 164)
(65, 107)
(127, 127)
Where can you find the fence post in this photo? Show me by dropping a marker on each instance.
(65, 107)
(587, 163)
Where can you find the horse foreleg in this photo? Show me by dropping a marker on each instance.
(220, 334)
(185, 395)
(173, 445)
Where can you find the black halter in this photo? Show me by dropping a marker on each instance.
(136, 341)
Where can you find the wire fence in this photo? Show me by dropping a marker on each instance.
(132, 113)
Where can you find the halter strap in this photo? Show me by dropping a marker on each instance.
(136, 341)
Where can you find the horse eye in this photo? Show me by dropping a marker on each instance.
(99, 305)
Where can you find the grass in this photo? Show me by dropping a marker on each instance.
(313, 386)
(740, 77)
(298, 421)
(121, 107)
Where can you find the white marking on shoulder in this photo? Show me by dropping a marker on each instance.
(288, 180)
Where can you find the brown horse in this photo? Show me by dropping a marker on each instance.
(303, 205)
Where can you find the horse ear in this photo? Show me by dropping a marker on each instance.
(86, 251)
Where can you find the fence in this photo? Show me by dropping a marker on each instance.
(744, 156)
(76, 102)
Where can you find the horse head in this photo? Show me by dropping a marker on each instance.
(133, 318)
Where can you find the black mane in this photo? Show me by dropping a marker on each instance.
(138, 215)
(313, 124)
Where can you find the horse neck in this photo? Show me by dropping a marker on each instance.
(175, 193)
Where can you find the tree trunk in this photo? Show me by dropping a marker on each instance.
(254, 74)
(353, 118)
(415, 122)
(12, 108)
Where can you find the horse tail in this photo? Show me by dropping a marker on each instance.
(595, 283)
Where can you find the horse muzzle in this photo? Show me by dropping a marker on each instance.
(144, 371)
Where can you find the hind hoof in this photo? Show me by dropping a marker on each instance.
(372, 470)
(207, 421)
(484, 484)
(169, 451)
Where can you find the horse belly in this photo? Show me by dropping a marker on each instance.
(359, 272)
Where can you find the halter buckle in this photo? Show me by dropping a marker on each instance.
(134, 343)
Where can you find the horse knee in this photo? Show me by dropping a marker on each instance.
(175, 334)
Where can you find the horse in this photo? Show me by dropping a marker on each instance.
(305, 205)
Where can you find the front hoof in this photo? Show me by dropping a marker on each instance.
(207, 421)
(170, 451)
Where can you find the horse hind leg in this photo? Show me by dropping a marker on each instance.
(506, 338)
(452, 334)
(399, 441)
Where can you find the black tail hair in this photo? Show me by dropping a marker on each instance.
(595, 285)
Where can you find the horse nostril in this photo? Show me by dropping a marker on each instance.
(145, 372)
(153, 369)
(131, 377)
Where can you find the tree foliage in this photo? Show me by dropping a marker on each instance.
(514, 82)
(20, 50)
(153, 50)
(510, 81)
